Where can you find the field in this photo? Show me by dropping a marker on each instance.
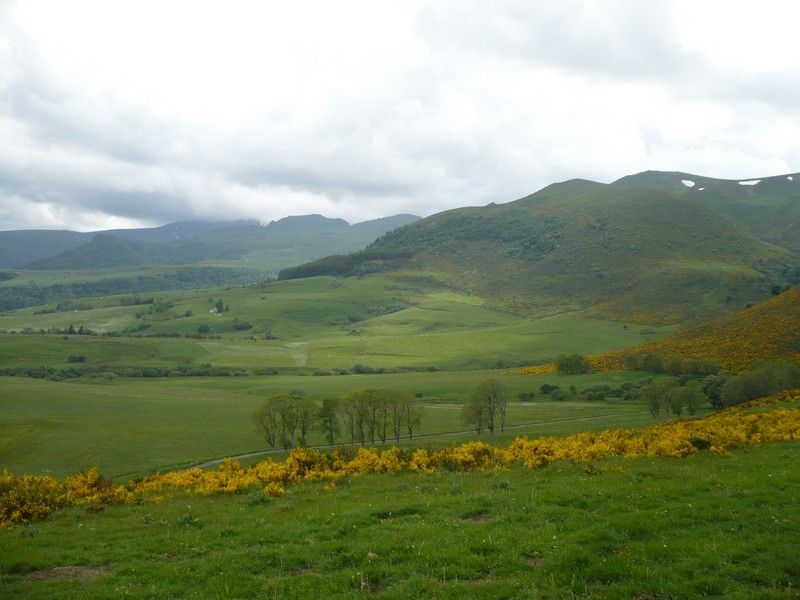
(322, 323)
(134, 426)
(707, 526)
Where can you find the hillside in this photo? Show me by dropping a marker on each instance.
(638, 255)
(100, 252)
(23, 247)
(279, 244)
(768, 207)
(20, 247)
(769, 330)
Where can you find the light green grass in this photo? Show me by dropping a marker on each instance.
(326, 323)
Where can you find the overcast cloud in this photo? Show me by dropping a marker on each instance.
(118, 114)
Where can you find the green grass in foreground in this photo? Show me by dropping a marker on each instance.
(708, 526)
(141, 424)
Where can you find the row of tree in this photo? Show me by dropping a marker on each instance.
(668, 396)
(486, 407)
(364, 416)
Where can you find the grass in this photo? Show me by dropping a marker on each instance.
(138, 425)
(708, 526)
(322, 323)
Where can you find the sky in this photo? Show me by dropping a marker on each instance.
(139, 113)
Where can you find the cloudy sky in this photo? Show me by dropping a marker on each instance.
(139, 113)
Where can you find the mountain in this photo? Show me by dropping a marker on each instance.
(180, 230)
(279, 244)
(23, 247)
(101, 251)
(20, 247)
(768, 207)
(635, 254)
(769, 330)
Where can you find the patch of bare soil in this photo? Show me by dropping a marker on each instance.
(67, 573)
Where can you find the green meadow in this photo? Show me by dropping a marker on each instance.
(397, 321)
(138, 425)
(710, 526)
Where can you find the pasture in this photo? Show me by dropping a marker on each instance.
(390, 322)
(707, 526)
(137, 425)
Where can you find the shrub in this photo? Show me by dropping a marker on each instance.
(761, 381)
(572, 364)
(76, 358)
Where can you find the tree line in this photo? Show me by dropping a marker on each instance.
(360, 417)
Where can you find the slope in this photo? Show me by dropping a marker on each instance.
(20, 247)
(768, 207)
(769, 330)
(101, 251)
(638, 255)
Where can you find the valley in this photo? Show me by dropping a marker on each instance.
(594, 311)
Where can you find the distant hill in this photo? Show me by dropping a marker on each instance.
(768, 207)
(767, 331)
(174, 231)
(18, 248)
(22, 247)
(636, 254)
(279, 244)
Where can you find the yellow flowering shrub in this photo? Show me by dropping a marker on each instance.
(546, 369)
(28, 498)
(92, 488)
(767, 331)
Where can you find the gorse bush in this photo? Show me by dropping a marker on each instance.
(28, 498)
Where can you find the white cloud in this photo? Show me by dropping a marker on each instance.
(144, 112)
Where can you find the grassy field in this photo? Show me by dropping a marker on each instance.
(321, 323)
(129, 426)
(303, 326)
(709, 526)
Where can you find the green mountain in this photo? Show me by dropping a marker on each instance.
(23, 247)
(20, 247)
(100, 252)
(635, 254)
(768, 207)
(279, 244)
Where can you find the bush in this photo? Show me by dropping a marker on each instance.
(572, 364)
(764, 380)
(76, 358)
(203, 328)
(547, 388)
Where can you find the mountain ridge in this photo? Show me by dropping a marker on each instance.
(188, 242)
(636, 254)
